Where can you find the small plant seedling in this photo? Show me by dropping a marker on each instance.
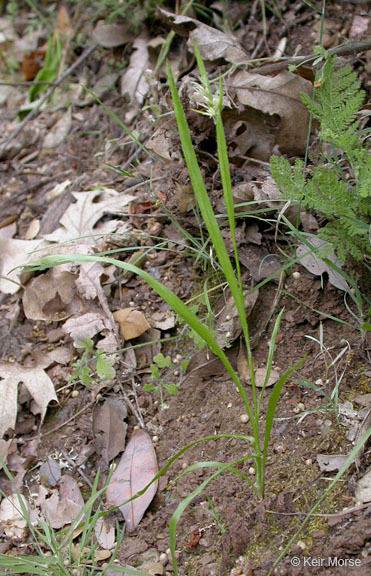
(92, 360)
(156, 381)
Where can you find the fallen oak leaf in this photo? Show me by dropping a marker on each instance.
(38, 384)
(136, 469)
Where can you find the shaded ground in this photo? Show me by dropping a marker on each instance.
(235, 535)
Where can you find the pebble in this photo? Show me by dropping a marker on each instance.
(296, 275)
(244, 418)
(309, 462)
(301, 545)
(75, 393)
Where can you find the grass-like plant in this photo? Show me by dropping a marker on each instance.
(257, 440)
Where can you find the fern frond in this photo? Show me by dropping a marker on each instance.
(340, 187)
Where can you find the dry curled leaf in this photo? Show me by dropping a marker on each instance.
(137, 467)
(132, 323)
(49, 296)
(228, 326)
(61, 506)
(317, 266)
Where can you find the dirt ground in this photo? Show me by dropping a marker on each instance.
(225, 531)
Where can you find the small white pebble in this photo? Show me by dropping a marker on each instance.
(175, 360)
(309, 462)
(155, 438)
(168, 552)
(244, 418)
(131, 303)
(252, 471)
(296, 275)
(301, 406)
(164, 558)
(229, 405)
(185, 465)
(228, 317)
(179, 357)
(75, 393)
(176, 372)
(66, 562)
(319, 382)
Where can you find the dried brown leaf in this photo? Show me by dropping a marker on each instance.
(137, 467)
(132, 323)
(48, 296)
(109, 428)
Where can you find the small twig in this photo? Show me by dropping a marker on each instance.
(333, 515)
(27, 83)
(74, 465)
(69, 420)
(344, 50)
(49, 92)
(134, 410)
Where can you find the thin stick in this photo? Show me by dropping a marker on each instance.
(69, 420)
(344, 50)
(333, 515)
(49, 92)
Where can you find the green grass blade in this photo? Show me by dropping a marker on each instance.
(176, 304)
(206, 210)
(187, 500)
(271, 408)
(117, 120)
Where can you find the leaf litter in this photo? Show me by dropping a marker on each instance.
(259, 118)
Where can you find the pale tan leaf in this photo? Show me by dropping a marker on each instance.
(137, 467)
(260, 377)
(59, 131)
(274, 112)
(33, 229)
(49, 295)
(363, 488)
(111, 35)
(212, 43)
(14, 253)
(132, 323)
(133, 82)
(11, 516)
(62, 506)
(88, 324)
(37, 383)
(228, 325)
(309, 259)
(105, 534)
(81, 218)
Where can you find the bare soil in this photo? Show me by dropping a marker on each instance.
(238, 535)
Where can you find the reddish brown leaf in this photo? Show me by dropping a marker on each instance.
(137, 467)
